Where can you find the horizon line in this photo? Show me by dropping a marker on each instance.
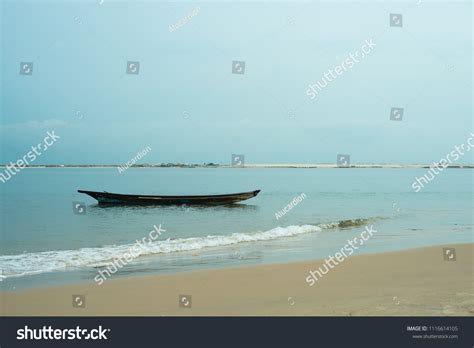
(248, 165)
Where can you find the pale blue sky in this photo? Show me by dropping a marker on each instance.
(79, 87)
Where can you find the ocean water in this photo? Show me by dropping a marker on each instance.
(44, 242)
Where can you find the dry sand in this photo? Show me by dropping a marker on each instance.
(413, 282)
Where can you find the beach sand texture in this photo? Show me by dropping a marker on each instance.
(412, 282)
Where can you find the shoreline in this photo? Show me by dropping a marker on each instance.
(409, 282)
(298, 166)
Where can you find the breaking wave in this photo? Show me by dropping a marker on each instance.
(66, 260)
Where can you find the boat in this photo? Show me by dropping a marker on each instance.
(117, 198)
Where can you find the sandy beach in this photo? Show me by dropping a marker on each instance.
(412, 282)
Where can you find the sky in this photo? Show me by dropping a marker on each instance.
(188, 106)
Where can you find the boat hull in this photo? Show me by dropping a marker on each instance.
(106, 198)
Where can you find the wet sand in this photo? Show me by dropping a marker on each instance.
(412, 282)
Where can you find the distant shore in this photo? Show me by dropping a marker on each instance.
(214, 165)
(410, 282)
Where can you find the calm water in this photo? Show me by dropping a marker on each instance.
(43, 242)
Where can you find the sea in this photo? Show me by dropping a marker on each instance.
(52, 235)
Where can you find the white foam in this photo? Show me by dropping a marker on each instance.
(62, 260)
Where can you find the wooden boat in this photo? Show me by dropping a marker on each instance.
(116, 198)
